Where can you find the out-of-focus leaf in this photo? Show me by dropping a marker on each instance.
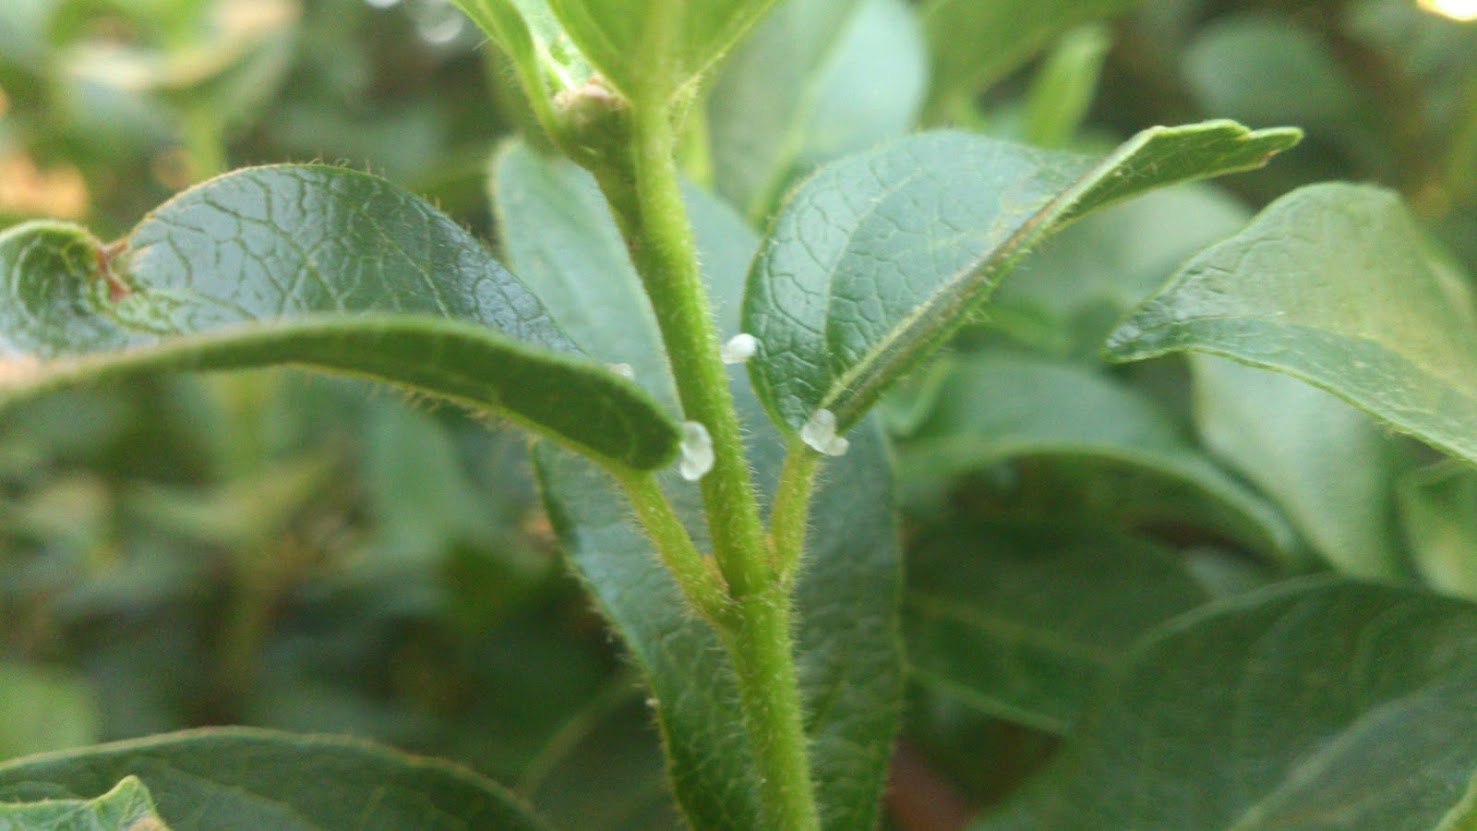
(44, 709)
(976, 44)
(237, 778)
(1330, 284)
(1062, 89)
(816, 80)
(127, 807)
(1438, 509)
(993, 408)
(1081, 282)
(1329, 467)
(603, 770)
(1021, 621)
(314, 265)
(1239, 66)
(880, 257)
(1285, 708)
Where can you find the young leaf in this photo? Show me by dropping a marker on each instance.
(880, 257)
(649, 49)
(847, 608)
(318, 266)
(992, 408)
(1312, 705)
(127, 807)
(1438, 507)
(1020, 621)
(242, 778)
(816, 80)
(1330, 284)
(530, 35)
(975, 44)
(1328, 466)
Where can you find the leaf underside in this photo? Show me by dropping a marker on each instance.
(316, 266)
(1331, 284)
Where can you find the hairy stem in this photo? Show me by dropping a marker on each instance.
(700, 583)
(788, 517)
(646, 197)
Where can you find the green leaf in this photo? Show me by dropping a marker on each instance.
(1021, 620)
(650, 49)
(816, 80)
(233, 778)
(45, 709)
(1082, 281)
(976, 44)
(992, 408)
(1311, 705)
(531, 36)
(1438, 507)
(880, 257)
(1330, 284)
(1328, 466)
(1063, 88)
(560, 236)
(850, 666)
(127, 807)
(847, 651)
(312, 265)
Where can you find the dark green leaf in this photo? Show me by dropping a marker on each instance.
(1330, 284)
(318, 266)
(1328, 466)
(993, 408)
(974, 44)
(880, 257)
(850, 666)
(1020, 621)
(228, 779)
(816, 80)
(127, 807)
(1438, 506)
(1313, 705)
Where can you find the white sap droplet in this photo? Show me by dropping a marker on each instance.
(740, 348)
(626, 371)
(820, 434)
(697, 451)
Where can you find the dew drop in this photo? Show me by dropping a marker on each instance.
(740, 348)
(819, 433)
(697, 451)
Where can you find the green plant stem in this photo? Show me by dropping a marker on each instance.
(653, 219)
(204, 148)
(647, 200)
(699, 581)
(761, 650)
(789, 515)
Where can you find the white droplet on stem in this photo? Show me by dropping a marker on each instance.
(623, 370)
(697, 451)
(740, 348)
(820, 434)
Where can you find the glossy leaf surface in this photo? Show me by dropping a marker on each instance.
(879, 257)
(317, 266)
(1330, 284)
(226, 779)
(1022, 621)
(127, 807)
(1286, 708)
